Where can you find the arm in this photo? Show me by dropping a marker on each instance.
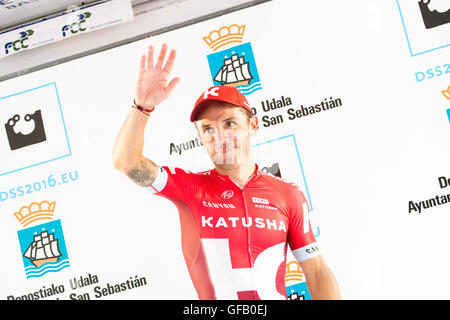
(322, 284)
(127, 152)
(151, 90)
(319, 278)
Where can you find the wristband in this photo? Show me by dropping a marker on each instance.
(144, 111)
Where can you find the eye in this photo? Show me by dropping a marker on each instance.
(208, 130)
(230, 124)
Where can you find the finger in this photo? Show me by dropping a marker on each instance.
(162, 55)
(150, 57)
(170, 61)
(172, 84)
(142, 64)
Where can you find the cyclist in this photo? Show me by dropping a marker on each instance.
(236, 221)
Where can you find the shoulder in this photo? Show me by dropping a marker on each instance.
(282, 183)
(177, 170)
(290, 189)
(180, 174)
(178, 182)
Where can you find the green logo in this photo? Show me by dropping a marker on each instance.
(76, 27)
(19, 43)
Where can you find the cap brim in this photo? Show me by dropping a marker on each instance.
(202, 105)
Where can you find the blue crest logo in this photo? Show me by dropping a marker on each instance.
(43, 248)
(235, 67)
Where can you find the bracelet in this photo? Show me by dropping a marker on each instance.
(144, 111)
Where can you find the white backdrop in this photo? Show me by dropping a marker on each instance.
(363, 164)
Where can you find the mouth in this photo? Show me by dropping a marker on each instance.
(225, 151)
(226, 148)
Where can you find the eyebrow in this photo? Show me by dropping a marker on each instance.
(230, 118)
(225, 120)
(207, 125)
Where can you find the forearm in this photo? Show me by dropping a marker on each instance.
(323, 285)
(127, 151)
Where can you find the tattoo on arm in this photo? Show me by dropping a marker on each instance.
(144, 173)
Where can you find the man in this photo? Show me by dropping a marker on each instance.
(236, 221)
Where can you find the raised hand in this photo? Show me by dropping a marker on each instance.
(152, 87)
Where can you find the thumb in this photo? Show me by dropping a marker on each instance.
(172, 84)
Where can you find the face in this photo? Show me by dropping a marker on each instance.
(225, 132)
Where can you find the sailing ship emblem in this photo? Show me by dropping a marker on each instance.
(235, 67)
(43, 249)
(234, 72)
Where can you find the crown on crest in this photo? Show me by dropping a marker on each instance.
(294, 272)
(225, 35)
(446, 93)
(35, 211)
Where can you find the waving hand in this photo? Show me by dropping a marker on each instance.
(152, 87)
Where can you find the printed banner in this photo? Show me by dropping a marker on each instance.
(75, 21)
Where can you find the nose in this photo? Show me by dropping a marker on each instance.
(218, 136)
(224, 136)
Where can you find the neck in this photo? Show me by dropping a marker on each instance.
(240, 174)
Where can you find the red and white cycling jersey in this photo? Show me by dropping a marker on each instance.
(234, 240)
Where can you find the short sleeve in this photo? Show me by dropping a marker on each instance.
(300, 236)
(175, 183)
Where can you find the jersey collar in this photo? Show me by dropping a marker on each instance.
(256, 174)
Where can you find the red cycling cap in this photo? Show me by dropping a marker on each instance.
(219, 93)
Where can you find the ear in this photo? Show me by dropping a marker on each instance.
(253, 125)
